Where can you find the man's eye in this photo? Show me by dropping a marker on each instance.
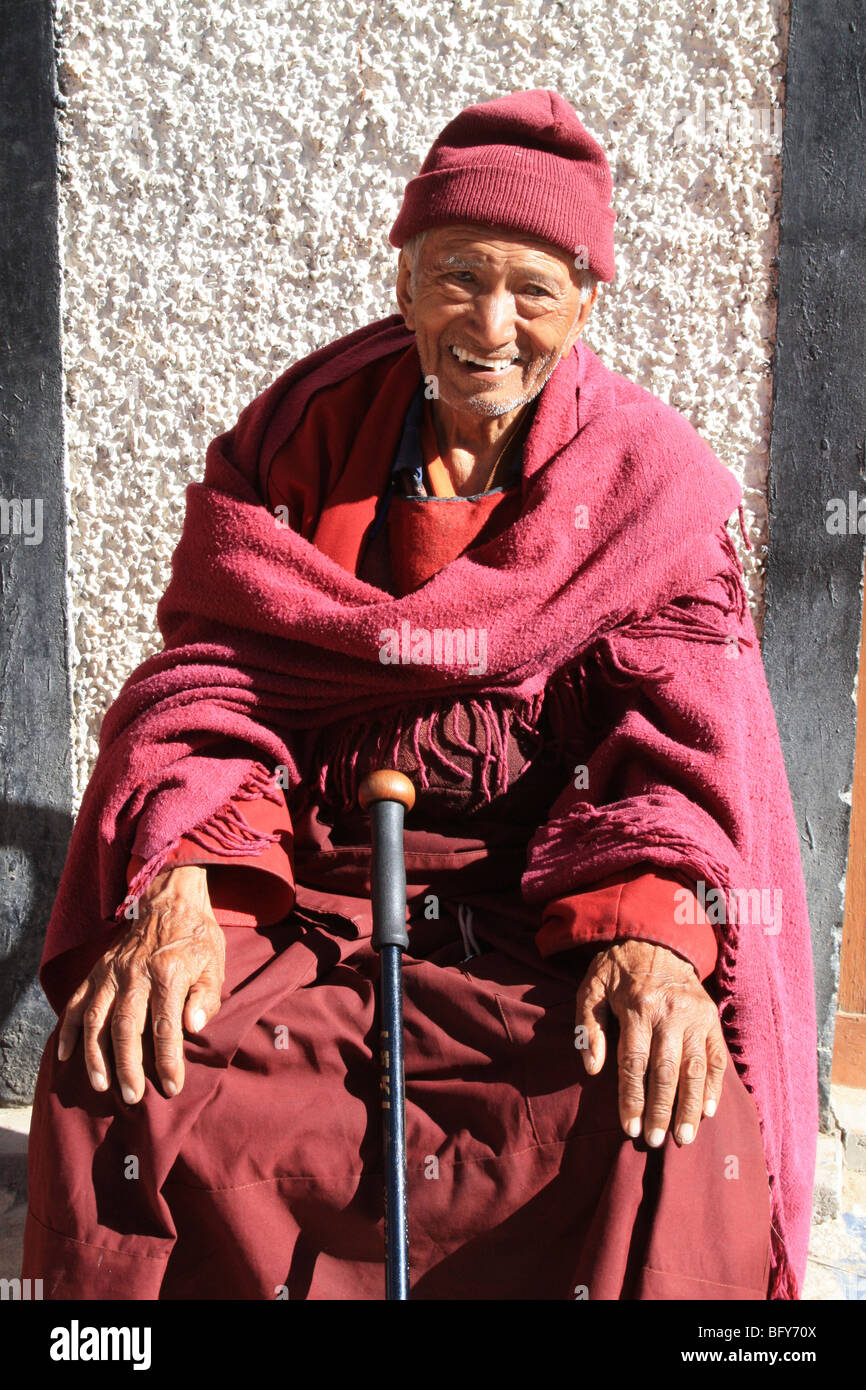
(536, 290)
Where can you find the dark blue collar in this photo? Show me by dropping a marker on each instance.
(409, 458)
(410, 455)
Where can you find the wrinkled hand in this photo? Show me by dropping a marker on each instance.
(670, 1038)
(171, 959)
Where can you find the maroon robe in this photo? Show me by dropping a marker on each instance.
(263, 1179)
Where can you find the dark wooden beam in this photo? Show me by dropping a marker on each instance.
(35, 806)
(812, 630)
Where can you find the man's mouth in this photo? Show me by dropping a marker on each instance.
(495, 366)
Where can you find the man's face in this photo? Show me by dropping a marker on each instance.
(497, 296)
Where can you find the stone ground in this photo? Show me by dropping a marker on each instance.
(14, 1125)
(837, 1248)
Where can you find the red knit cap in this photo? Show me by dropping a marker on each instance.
(524, 162)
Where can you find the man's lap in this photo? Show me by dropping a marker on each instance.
(266, 1170)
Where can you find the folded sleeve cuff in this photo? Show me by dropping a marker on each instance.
(637, 904)
(255, 889)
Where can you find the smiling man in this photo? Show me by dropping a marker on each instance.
(605, 1096)
(492, 316)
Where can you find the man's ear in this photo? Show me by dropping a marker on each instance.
(579, 323)
(404, 291)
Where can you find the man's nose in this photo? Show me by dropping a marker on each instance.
(494, 314)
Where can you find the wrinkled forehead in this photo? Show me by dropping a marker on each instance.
(472, 246)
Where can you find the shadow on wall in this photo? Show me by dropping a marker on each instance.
(34, 842)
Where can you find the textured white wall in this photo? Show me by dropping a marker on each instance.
(230, 171)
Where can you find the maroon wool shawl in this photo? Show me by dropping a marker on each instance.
(265, 634)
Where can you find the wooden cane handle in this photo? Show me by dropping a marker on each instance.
(386, 785)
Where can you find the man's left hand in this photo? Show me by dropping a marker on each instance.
(671, 1045)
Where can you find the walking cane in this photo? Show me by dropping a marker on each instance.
(386, 795)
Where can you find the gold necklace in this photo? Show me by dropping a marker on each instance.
(500, 456)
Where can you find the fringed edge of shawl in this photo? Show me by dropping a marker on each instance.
(492, 717)
(226, 830)
(783, 1284)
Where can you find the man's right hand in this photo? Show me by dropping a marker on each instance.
(171, 959)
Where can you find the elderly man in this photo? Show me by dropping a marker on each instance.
(456, 544)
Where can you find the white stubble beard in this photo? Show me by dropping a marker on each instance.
(484, 404)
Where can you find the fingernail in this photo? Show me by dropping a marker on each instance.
(98, 1081)
(632, 1128)
(128, 1094)
(62, 1050)
(199, 1019)
(686, 1134)
(710, 1107)
(655, 1137)
(170, 1088)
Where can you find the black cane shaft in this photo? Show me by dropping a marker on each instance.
(388, 876)
(386, 794)
(394, 1126)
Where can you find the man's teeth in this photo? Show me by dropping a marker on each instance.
(498, 364)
